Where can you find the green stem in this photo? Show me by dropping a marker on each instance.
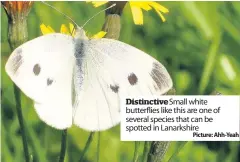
(157, 151)
(17, 34)
(21, 122)
(63, 146)
(136, 151)
(146, 149)
(159, 148)
(112, 24)
(90, 137)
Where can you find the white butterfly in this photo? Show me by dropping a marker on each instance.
(76, 80)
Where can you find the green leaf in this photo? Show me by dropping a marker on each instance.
(204, 16)
(209, 65)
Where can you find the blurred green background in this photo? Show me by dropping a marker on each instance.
(198, 44)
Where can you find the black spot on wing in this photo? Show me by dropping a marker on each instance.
(36, 69)
(132, 79)
(114, 88)
(17, 60)
(49, 81)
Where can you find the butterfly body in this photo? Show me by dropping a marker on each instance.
(76, 80)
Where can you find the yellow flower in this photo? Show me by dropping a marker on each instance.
(137, 7)
(46, 29)
(69, 31)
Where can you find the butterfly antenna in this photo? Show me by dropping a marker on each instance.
(61, 13)
(98, 14)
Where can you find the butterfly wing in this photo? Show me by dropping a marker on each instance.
(106, 70)
(43, 68)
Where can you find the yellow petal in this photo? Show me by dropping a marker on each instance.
(64, 29)
(100, 34)
(137, 14)
(158, 7)
(142, 5)
(99, 3)
(46, 29)
(145, 6)
(51, 29)
(72, 29)
(161, 16)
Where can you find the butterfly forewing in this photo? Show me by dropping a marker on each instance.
(43, 68)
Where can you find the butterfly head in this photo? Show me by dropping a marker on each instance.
(80, 33)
